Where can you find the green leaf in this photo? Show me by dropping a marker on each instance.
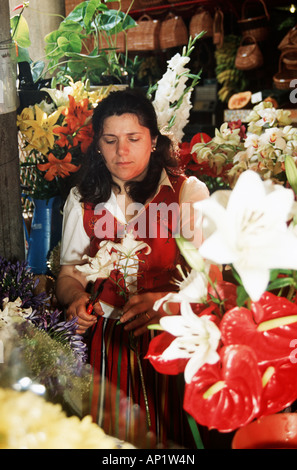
(190, 253)
(70, 26)
(37, 69)
(242, 296)
(20, 31)
(114, 21)
(80, 62)
(23, 54)
(93, 7)
(291, 172)
(280, 283)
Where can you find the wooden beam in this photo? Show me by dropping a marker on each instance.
(11, 224)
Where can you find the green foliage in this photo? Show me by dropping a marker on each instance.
(75, 48)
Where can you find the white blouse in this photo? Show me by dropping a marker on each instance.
(75, 242)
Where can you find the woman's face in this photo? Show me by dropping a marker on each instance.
(126, 147)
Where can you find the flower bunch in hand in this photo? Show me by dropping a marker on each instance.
(235, 337)
(54, 138)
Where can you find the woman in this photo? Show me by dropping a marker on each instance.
(129, 181)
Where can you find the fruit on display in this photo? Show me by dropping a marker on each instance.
(228, 76)
(239, 100)
(272, 100)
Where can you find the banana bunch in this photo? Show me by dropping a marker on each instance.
(224, 93)
(228, 76)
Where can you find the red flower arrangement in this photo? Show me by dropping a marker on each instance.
(256, 374)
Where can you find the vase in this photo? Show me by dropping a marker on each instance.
(45, 233)
(276, 431)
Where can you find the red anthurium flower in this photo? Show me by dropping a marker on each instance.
(279, 383)
(156, 347)
(184, 154)
(198, 138)
(268, 327)
(226, 395)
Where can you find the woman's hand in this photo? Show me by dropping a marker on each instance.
(139, 312)
(78, 309)
(71, 292)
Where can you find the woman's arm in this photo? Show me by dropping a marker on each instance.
(71, 293)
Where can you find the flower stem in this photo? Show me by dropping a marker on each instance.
(133, 343)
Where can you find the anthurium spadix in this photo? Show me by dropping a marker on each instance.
(250, 231)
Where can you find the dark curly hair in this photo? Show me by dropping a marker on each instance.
(96, 183)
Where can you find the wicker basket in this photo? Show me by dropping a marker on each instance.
(119, 42)
(70, 5)
(149, 3)
(201, 21)
(218, 28)
(173, 32)
(145, 36)
(125, 5)
(284, 76)
(180, 6)
(256, 26)
(290, 58)
(289, 40)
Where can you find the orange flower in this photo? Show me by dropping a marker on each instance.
(77, 112)
(68, 138)
(56, 167)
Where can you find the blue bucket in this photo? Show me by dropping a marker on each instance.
(45, 233)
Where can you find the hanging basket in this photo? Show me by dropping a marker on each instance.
(125, 5)
(118, 41)
(249, 55)
(145, 36)
(218, 28)
(201, 21)
(180, 6)
(70, 5)
(290, 58)
(173, 32)
(257, 26)
(290, 39)
(284, 76)
(149, 3)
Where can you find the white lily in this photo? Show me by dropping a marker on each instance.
(192, 288)
(251, 232)
(101, 265)
(197, 338)
(60, 97)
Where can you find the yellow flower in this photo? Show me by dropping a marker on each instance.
(43, 126)
(27, 114)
